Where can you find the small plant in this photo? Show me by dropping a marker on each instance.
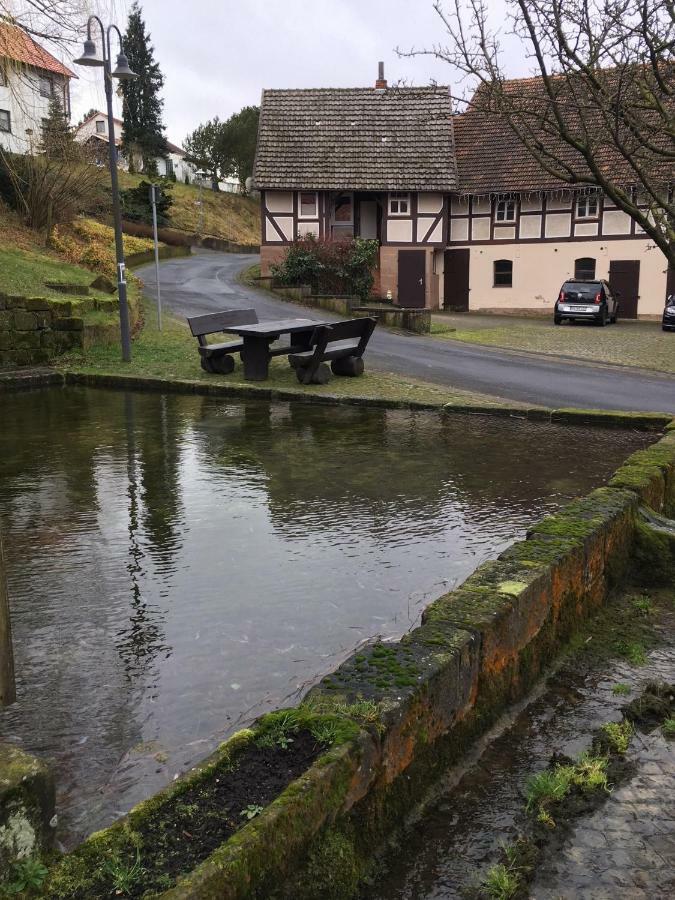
(633, 651)
(621, 689)
(545, 818)
(668, 727)
(501, 883)
(251, 811)
(325, 732)
(25, 875)
(549, 786)
(643, 605)
(618, 735)
(278, 733)
(590, 773)
(124, 876)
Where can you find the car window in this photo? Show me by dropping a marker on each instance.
(584, 288)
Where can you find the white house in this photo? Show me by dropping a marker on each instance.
(29, 77)
(94, 132)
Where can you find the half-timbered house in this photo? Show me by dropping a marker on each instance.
(466, 219)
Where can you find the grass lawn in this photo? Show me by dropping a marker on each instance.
(629, 343)
(24, 272)
(172, 354)
(230, 217)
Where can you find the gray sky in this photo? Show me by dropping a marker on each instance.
(217, 58)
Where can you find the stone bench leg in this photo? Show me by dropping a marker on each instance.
(348, 365)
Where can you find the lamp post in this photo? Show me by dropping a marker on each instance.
(122, 72)
(201, 174)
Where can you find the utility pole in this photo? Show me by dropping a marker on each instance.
(153, 201)
(7, 684)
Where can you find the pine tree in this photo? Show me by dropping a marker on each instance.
(142, 105)
(58, 139)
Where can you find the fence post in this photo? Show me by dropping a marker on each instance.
(7, 685)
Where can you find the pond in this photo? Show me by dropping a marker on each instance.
(178, 564)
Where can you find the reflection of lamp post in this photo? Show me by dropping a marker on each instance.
(201, 174)
(7, 686)
(123, 73)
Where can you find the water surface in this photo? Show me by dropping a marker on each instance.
(178, 565)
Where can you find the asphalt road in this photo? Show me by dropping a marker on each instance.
(207, 281)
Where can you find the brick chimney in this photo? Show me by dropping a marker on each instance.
(381, 83)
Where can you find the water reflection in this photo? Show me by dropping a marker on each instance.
(179, 564)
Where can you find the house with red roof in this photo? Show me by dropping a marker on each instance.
(29, 77)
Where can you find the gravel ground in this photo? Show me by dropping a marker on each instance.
(640, 344)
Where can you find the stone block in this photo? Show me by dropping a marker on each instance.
(36, 304)
(103, 284)
(24, 320)
(68, 323)
(27, 799)
(6, 320)
(25, 340)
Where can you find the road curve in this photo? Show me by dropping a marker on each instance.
(207, 281)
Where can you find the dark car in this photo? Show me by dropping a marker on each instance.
(590, 301)
(668, 320)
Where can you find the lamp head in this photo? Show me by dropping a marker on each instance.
(89, 57)
(122, 70)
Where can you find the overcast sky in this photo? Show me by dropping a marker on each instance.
(217, 57)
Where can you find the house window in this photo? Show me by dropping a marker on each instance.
(503, 273)
(584, 268)
(5, 121)
(46, 87)
(399, 203)
(308, 205)
(169, 167)
(100, 126)
(587, 207)
(506, 211)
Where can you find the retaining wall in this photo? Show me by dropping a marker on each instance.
(478, 649)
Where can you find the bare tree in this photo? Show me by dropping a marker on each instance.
(599, 111)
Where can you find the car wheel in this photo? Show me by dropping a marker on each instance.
(602, 321)
(557, 320)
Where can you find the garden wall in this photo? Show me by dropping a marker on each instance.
(478, 649)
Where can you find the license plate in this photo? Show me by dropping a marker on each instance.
(579, 309)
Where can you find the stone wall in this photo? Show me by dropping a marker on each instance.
(33, 330)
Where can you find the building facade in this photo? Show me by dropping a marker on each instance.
(464, 218)
(29, 78)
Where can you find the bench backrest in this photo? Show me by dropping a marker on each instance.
(214, 322)
(342, 331)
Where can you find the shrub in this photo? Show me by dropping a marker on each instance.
(330, 267)
(137, 207)
(47, 190)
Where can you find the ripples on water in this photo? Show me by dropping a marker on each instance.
(178, 565)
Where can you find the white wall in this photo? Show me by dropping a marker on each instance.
(27, 108)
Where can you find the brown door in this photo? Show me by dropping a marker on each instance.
(456, 280)
(624, 280)
(411, 278)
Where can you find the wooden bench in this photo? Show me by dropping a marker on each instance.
(342, 344)
(217, 358)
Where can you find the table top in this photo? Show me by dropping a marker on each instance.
(274, 326)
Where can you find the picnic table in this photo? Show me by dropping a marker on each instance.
(258, 337)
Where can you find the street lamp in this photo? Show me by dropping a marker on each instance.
(122, 72)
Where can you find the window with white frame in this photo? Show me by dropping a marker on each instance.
(308, 205)
(5, 121)
(100, 126)
(587, 206)
(399, 203)
(505, 211)
(46, 86)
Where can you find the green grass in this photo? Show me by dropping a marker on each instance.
(633, 651)
(172, 354)
(230, 217)
(619, 735)
(24, 273)
(501, 883)
(621, 690)
(549, 786)
(668, 727)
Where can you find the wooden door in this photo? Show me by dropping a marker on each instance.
(412, 278)
(456, 280)
(624, 279)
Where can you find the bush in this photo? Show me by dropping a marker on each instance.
(48, 191)
(330, 267)
(136, 205)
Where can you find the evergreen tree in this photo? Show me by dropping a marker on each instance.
(142, 105)
(58, 139)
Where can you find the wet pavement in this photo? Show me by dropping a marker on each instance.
(625, 848)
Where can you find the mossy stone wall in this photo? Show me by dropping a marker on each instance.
(26, 806)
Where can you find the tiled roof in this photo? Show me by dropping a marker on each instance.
(16, 44)
(358, 138)
(491, 157)
(174, 148)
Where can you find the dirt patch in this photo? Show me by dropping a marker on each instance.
(183, 835)
(653, 707)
